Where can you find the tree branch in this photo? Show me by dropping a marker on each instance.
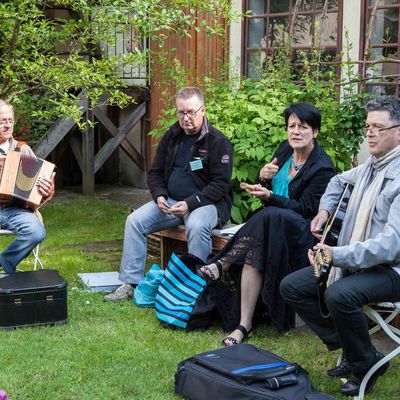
(370, 78)
(18, 92)
(3, 36)
(319, 44)
(14, 39)
(294, 16)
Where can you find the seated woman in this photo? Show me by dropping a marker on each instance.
(275, 240)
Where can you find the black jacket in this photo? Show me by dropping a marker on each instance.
(214, 179)
(309, 184)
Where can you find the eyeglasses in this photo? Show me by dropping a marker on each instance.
(376, 131)
(300, 129)
(189, 114)
(4, 122)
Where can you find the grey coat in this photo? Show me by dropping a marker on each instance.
(383, 244)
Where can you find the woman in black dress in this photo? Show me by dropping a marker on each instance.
(275, 240)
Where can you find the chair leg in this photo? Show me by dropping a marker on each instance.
(390, 331)
(375, 367)
(35, 253)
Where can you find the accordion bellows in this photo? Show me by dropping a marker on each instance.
(19, 174)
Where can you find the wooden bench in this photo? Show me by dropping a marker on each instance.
(175, 240)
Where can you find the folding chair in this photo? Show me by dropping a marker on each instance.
(35, 251)
(375, 312)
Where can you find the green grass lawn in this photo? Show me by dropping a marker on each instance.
(119, 351)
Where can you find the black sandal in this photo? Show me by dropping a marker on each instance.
(241, 328)
(218, 263)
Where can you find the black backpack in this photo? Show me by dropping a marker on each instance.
(243, 372)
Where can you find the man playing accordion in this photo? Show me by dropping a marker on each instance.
(29, 230)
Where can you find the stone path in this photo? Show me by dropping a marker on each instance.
(129, 196)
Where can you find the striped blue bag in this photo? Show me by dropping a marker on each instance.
(184, 299)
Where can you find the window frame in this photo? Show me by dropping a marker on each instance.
(246, 50)
(365, 15)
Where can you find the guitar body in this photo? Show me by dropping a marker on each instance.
(333, 234)
(322, 285)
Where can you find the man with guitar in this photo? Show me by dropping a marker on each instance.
(366, 260)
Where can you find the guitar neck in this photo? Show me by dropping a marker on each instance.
(332, 217)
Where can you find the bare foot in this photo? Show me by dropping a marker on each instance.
(239, 335)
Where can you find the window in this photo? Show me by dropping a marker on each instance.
(270, 22)
(384, 47)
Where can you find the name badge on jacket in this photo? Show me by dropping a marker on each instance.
(196, 165)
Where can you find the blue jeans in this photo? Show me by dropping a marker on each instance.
(29, 230)
(347, 326)
(148, 219)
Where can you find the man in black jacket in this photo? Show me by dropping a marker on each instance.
(189, 181)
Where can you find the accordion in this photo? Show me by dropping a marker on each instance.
(19, 174)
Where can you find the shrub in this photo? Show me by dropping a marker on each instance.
(250, 114)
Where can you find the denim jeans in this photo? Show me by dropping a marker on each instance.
(148, 219)
(347, 326)
(29, 233)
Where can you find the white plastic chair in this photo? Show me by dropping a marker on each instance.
(35, 251)
(375, 312)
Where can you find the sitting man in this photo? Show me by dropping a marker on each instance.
(23, 222)
(367, 256)
(189, 181)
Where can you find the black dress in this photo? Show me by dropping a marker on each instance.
(275, 240)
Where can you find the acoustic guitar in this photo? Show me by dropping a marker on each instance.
(330, 235)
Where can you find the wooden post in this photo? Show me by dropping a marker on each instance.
(88, 157)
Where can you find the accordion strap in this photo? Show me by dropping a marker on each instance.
(19, 146)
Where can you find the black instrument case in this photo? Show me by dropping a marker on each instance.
(32, 298)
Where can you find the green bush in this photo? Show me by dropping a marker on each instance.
(250, 114)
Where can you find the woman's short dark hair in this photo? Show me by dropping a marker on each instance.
(305, 112)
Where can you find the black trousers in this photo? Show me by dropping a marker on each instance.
(347, 326)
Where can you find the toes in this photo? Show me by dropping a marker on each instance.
(211, 271)
(205, 270)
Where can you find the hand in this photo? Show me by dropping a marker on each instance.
(318, 222)
(162, 204)
(46, 186)
(269, 170)
(179, 209)
(319, 246)
(259, 191)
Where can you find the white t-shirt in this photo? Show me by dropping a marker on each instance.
(5, 146)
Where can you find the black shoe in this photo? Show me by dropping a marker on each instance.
(341, 371)
(352, 386)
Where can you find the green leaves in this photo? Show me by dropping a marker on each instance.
(58, 57)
